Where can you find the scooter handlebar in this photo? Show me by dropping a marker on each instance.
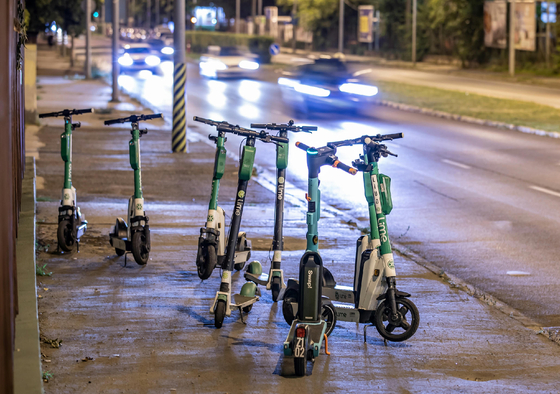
(289, 126)
(302, 146)
(344, 167)
(66, 112)
(133, 119)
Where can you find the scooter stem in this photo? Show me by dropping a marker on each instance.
(134, 153)
(66, 152)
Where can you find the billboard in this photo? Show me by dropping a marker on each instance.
(365, 23)
(495, 24)
(525, 26)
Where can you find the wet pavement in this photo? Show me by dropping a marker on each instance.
(148, 329)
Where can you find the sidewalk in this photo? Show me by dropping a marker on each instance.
(148, 329)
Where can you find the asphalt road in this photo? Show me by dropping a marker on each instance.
(479, 202)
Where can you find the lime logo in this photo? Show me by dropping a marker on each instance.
(210, 218)
(138, 207)
(391, 264)
(66, 196)
(241, 194)
(281, 179)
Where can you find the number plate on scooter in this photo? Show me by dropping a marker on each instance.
(299, 351)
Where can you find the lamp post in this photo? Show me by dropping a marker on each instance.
(115, 95)
(341, 27)
(179, 132)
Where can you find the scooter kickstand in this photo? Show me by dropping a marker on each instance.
(365, 328)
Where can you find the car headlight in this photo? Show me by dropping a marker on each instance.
(312, 90)
(167, 51)
(248, 65)
(153, 60)
(358, 88)
(287, 82)
(125, 60)
(213, 65)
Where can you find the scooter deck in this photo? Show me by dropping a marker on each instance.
(122, 244)
(241, 301)
(241, 257)
(261, 279)
(82, 228)
(340, 293)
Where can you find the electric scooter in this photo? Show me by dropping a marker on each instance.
(274, 280)
(222, 304)
(373, 297)
(212, 241)
(133, 235)
(312, 318)
(71, 223)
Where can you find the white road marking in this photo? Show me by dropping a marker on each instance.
(454, 163)
(543, 190)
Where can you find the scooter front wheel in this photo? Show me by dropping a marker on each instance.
(220, 313)
(64, 236)
(396, 327)
(206, 261)
(140, 248)
(276, 286)
(329, 316)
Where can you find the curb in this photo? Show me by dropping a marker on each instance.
(466, 119)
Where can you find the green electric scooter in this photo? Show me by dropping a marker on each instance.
(134, 234)
(212, 241)
(223, 303)
(71, 222)
(373, 297)
(312, 318)
(274, 280)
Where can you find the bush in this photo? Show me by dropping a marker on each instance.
(259, 45)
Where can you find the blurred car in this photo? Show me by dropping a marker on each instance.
(325, 85)
(230, 62)
(163, 46)
(137, 57)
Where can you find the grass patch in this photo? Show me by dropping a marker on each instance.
(47, 376)
(520, 113)
(41, 270)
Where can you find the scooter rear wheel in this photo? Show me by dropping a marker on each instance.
(64, 236)
(206, 261)
(300, 365)
(397, 328)
(220, 313)
(287, 310)
(139, 248)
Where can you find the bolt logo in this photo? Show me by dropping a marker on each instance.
(138, 207)
(382, 230)
(280, 194)
(309, 276)
(241, 194)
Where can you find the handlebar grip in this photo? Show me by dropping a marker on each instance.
(393, 136)
(279, 139)
(344, 167)
(113, 121)
(309, 128)
(258, 125)
(153, 116)
(83, 111)
(48, 114)
(302, 146)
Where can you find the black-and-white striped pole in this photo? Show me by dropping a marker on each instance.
(179, 132)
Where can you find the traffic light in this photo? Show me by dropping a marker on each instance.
(96, 14)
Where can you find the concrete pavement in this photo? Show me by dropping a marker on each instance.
(148, 329)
